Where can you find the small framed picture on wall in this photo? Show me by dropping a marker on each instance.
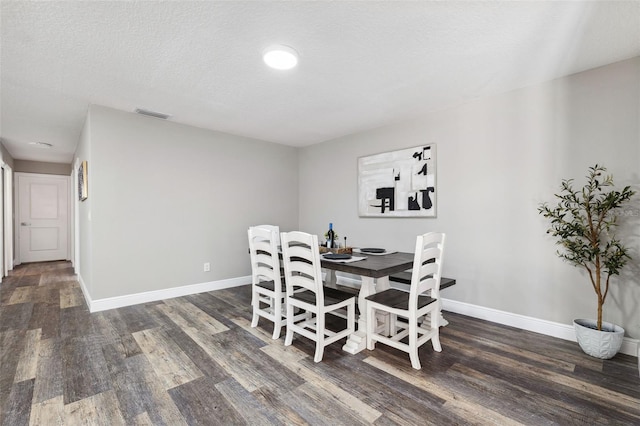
(83, 191)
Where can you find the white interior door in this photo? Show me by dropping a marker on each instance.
(43, 217)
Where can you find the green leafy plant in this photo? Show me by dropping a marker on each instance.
(584, 222)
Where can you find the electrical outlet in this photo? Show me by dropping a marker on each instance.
(207, 267)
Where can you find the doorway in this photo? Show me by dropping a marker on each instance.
(42, 217)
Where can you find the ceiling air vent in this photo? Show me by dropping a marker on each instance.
(152, 113)
(41, 144)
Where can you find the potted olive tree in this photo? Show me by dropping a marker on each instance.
(584, 221)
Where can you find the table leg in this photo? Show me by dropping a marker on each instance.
(426, 323)
(383, 284)
(358, 340)
(443, 322)
(330, 278)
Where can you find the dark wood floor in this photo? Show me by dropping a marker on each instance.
(196, 360)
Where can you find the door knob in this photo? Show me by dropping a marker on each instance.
(25, 224)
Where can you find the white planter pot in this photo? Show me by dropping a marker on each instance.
(600, 344)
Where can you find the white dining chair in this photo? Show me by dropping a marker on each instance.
(267, 288)
(275, 228)
(412, 306)
(305, 291)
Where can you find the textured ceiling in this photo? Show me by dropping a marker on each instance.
(362, 64)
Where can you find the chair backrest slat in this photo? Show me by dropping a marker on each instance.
(301, 257)
(275, 228)
(427, 265)
(263, 249)
(265, 273)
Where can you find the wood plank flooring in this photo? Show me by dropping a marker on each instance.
(196, 361)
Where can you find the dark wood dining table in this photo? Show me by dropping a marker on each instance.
(374, 272)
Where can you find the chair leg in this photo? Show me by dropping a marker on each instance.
(277, 328)
(319, 337)
(413, 343)
(371, 326)
(435, 341)
(277, 323)
(319, 352)
(289, 338)
(435, 327)
(255, 303)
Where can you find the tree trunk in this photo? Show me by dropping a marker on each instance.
(599, 290)
(599, 313)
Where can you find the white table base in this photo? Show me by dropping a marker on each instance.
(358, 340)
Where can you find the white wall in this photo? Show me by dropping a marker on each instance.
(84, 241)
(165, 198)
(498, 158)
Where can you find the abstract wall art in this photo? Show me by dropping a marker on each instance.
(83, 184)
(398, 183)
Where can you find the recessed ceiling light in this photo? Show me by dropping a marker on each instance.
(280, 57)
(41, 144)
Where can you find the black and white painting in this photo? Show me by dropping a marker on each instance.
(398, 183)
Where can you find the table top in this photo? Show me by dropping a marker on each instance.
(374, 266)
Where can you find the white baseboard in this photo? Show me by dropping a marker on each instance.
(548, 328)
(152, 296)
(85, 291)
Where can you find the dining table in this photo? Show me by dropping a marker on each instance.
(374, 272)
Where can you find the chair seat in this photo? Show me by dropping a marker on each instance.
(331, 296)
(405, 278)
(398, 299)
(269, 285)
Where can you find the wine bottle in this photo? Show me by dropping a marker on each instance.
(331, 236)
